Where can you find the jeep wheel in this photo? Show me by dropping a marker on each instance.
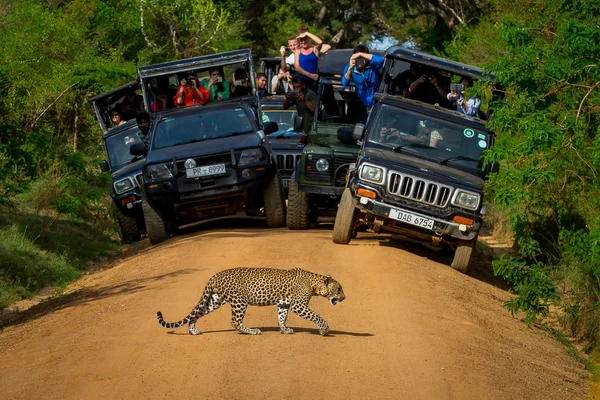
(274, 202)
(298, 207)
(156, 227)
(463, 255)
(343, 228)
(128, 227)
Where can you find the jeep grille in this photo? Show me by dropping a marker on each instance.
(138, 178)
(341, 163)
(417, 189)
(287, 162)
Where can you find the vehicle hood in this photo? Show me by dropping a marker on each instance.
(131, 169)
(217, 145)
(287, 143)
(422, 167)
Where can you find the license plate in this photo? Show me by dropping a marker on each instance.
(206, 170)
(411, 219)
(286, 183)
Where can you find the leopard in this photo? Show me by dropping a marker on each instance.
(289, 289)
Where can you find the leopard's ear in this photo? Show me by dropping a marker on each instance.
(327, 280)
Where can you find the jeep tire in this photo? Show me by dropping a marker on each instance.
(463, 255)
(343, 229)
(274, 202)
(156, 226)
(129, 231)
(298, 214)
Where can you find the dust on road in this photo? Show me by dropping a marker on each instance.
(410, 328)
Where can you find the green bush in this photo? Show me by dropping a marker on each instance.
(28, 268)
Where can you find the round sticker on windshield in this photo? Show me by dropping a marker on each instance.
(482, 144)
(469, 133)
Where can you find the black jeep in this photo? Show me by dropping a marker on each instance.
(125, 169)
(319, 175)
(287, 143)
(419, 173)
(207, 161)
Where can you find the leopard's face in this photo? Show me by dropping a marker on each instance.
(335, 293)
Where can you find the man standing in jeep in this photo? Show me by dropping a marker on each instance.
(304, 99)
(364, 69)
(143, 122)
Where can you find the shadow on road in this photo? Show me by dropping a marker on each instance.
(313, 331)
(481, 266)
(81, 298)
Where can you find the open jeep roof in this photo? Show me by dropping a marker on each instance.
(202, 62)
(334, 61)
(455, 67)
(123, 88)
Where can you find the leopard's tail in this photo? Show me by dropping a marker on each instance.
(197, 311)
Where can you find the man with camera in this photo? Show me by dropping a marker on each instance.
(364, 69)
(240, 86)
(457, 93)
(304, 99)
(190, 93)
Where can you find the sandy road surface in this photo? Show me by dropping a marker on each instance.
(411, 328)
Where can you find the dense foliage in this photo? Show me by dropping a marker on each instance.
(546, 54)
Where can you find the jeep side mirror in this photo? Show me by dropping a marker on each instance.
(270, 127)
(104, 166)
(298, 123)
(359, 131)
(138, 149)
(495, 167)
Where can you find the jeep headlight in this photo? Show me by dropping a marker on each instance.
(124, 185)
(322, 165)
(371, 173)
(251, 156)
(466, 200)
(159, 171)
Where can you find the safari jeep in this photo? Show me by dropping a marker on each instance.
(408, 180)
(419, 171)
(125, 169)
(319, 176)
(206, 161)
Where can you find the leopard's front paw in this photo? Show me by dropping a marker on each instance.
(286, 331)
(254, 331)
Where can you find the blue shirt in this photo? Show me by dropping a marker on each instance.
(366, 80)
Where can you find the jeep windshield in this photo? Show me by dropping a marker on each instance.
(176, 130)
(438, 139)
(284, 119)
(117, 147)
(340, 105)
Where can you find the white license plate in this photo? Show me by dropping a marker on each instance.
(206, 170)
(286, 183)
(411, 219)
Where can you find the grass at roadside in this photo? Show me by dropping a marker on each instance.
(41, 250)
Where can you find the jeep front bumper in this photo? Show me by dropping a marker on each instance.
(390, 216)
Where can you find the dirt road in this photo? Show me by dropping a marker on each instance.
(410, 328)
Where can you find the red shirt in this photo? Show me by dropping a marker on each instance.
(191, 97)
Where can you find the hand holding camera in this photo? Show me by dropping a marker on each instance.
(282, 51)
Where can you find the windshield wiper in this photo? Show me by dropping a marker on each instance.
(463, 158)
(419, 145)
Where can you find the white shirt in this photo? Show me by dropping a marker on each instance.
(286, 86)
(290, 59)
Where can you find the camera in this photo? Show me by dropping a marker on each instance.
(219, 79)
(188, 81)
(427, 77)
(238, 83)
(457, 87)
(293, 94)
(360, 62)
